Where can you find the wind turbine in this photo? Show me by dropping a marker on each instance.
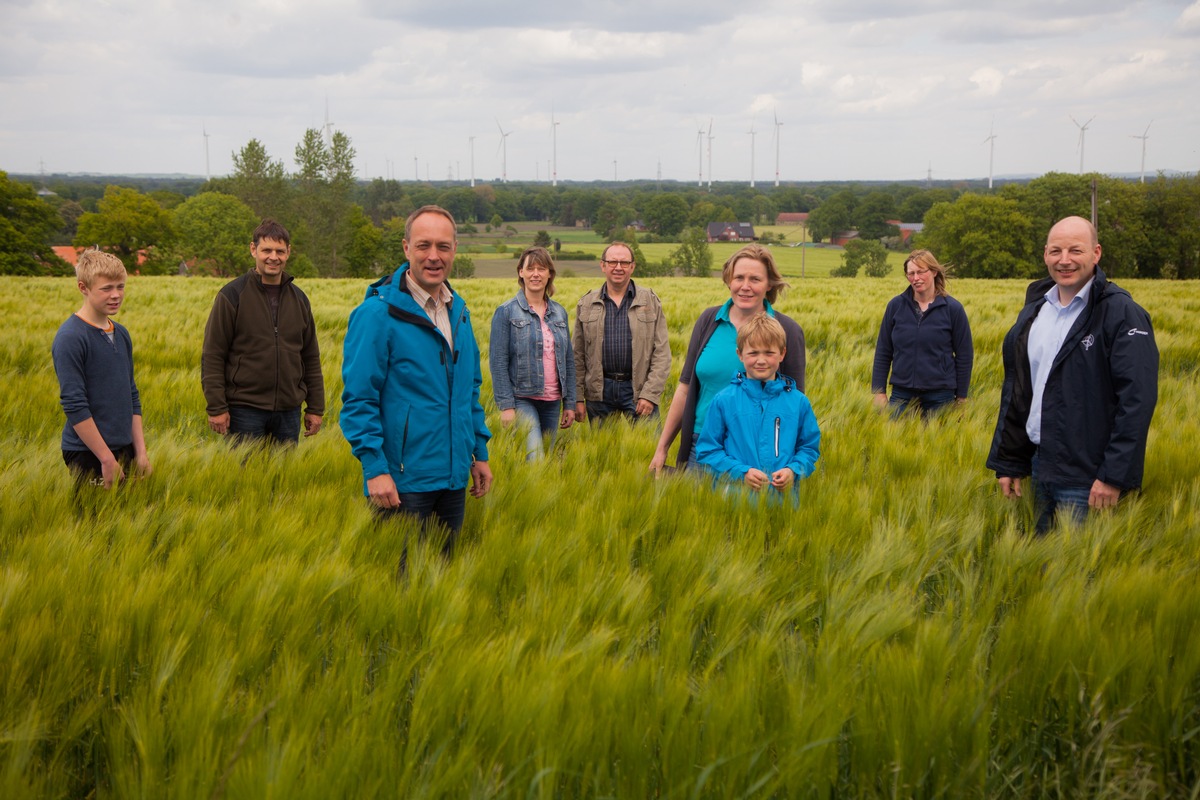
(472, 140)
(554, 132)
(328, 127)
(991, 142)
(778, 125)
(710, 140)
(503, 146)
(208, 171)
(1145, 135)
(1082, 132)
(700, 157)
(751, 155)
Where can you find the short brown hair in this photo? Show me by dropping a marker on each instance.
(604, 255)
(270, 229)
(762, 329)
(93, 264)
(537, 255)
(775, 281)
(422, 211)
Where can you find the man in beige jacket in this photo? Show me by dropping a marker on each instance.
(622, 354)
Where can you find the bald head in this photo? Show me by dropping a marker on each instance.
(1076, 227)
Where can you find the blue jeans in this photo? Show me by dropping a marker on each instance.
(928, 402)
(1049, 499)
(618, 399)
(277, 427)
(540, 418)
(444, 507)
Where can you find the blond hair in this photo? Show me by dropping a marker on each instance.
(93, 264)
(763, 330)
(923, 259)
(756, 252)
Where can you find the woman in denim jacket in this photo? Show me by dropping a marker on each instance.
(533, 367)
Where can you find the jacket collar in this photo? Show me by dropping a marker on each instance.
(776, 386)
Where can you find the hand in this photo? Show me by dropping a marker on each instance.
(644, 408)
(960, 401)
(880, 400)
(312, 424)
(656, 463)
(1103, 495)
(219, 423)
(481, 478)
(111, 472)
(756, 479)
(142, 468)
(581, 412)
(1010, 487)
(381, 490)
(508, 416)
(782, 478)
(568, 418)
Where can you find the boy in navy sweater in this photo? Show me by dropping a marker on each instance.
(760, 430)
(93, 357)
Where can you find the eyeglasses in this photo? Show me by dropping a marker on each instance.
(916, 273)
(625, 264)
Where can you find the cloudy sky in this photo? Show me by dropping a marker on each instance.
(863, 89)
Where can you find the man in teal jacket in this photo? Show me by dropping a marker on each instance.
(410, 406)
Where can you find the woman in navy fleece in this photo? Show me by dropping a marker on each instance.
(925, 341)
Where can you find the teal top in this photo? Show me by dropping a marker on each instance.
(718, 362)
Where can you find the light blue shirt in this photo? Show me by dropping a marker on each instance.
(1046, 337)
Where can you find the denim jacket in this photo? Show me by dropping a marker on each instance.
(516, 352)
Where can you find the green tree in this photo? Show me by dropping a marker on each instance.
(463, 267)
(127, 222)
(871, 216)
(693, 257)
(1172, 212)
(866, 254)
(542, 239)
(26, 225)
(260, 182)
(913, 207)
(325, 181)
(392, 243)
(364, 252)
(832, 216)
(984, 236)
(666, 215)
(496, 221)
(215, 230)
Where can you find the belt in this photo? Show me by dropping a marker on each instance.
(619, 377)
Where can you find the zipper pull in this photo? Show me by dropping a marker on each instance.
(777, 437)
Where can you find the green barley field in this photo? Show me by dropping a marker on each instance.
(234, 625)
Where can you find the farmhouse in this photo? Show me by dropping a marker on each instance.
(907, 229)
(792, 218)
(730, 232)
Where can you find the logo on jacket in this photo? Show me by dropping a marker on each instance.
(1132, 331)
(1088, 341)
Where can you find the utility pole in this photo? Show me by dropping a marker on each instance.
(778, 125)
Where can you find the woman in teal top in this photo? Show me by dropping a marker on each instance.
(754, 284)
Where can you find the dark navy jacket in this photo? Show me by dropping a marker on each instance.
(1099, 397)
(928, 352)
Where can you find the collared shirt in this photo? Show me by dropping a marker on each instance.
(437, 307)
(1046, 336)
(617, 349)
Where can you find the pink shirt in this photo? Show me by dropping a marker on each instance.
(549, 365)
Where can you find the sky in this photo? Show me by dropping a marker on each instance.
(860, 89)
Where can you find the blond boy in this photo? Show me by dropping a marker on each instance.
(760, 430)
(93, 358)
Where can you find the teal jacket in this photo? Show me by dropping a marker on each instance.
(766, 425)
(410, 406)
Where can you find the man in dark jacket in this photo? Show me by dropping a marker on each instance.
(1080, 386)
(261, 360)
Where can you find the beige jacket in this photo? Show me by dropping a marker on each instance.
(651, 347)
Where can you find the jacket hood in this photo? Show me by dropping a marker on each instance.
(772, 388)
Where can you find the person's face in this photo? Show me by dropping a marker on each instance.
(919, 278)
(430, 247)
(104, 298)
(618, 267)
(535, 275)
(761, 360)
(1070, 256)
(270, 259)
(748, 284)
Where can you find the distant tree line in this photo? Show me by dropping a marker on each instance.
(345, 227)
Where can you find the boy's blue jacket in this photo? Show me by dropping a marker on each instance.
(766, 425)
(410, 406)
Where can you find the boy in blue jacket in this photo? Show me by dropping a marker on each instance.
(760, 430)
